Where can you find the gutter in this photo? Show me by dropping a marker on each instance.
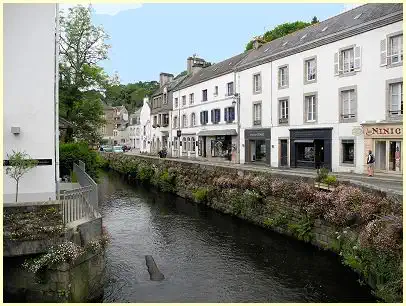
(56, 101)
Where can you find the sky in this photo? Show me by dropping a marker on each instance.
(148, 39)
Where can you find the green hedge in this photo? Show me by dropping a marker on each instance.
(70, 153)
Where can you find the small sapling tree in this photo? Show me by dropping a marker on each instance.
(19, 164)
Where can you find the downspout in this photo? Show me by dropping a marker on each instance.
(270, 161)
(56, 97)
(238, 115)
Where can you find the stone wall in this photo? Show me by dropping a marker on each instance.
(363, 226)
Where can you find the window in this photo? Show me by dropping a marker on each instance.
(283, 77)
(175, 122)
(283, 111)
(396, 98)
(188, 144)
(395, 49)
(216, 90)
(348, 104)
(347, 60)
(310, 70)
(184, 121)
(193, 119)
(230, 89)
(165, 99)
(184, 144)
(257, 83)
(204, 117)
(193, 145)
(155, 120)
(204, 95)
(165, 120)
(176, 102)
(183, 100)
(215, 115)
(191, 98)
(347, 147)
(257, 113)
(229, 114)
(310, 108)
(159, 119)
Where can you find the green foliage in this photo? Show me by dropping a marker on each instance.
(330, 180)
(70, 153)
(166, 181)
(280, 31)
(303, 229)
(315, 20)
(200, 195)
(19, 164)
(145, 174)
(73, 177)
(322, 174)
(279, 220)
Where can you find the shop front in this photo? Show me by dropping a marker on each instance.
(310, 148)
(384, 139)
(258, 146)
(217, 144)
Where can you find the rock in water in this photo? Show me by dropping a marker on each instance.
(154, 273)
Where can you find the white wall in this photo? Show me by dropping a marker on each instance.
(220, 101)
(371, 93)
(29, 80)
(145, 121)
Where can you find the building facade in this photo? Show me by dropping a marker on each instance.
(204, 112)
(135, 131)
(146, 127)
(109, 126)
(326, 95)
(31, 115)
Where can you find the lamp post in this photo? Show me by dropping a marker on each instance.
(236, 102)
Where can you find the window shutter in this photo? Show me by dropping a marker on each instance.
(315, 108)
(201, 117)
(357, 58)
(336, 64)
(353, 103)
(384, 58)
(226, 114)
(212, 117)
(206, 116)
(287, 76)
(315, 68)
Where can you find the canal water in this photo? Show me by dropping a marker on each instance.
(209, 257)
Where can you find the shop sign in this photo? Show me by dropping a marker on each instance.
(258, 134)
(383, 131)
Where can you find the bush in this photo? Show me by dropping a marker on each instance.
(322, 174)
(330, 180)
(166, 181)
(145, 174)
(200, 195)
(70, 153)
(303, 229)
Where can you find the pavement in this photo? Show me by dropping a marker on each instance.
(389, 183)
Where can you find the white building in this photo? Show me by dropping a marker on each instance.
(30, 114)
(204, 111)
(135, 131)
(146, 127)
(327, 94)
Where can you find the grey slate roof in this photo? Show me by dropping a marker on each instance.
(343, 22)
(170, 86)
(213, 71)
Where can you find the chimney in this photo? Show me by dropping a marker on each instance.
(165, 78)
(258, 42)
(195, 64)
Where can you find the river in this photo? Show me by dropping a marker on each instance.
(207, 256)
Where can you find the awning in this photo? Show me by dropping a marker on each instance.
(231, 132)
(304, 141)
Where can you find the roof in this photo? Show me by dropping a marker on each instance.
(170, 86)
(335, 26)
(215, 70)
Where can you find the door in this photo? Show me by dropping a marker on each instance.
(284, 153)
(380, 155)
(394, 156)
(204, 146)
(252, 150)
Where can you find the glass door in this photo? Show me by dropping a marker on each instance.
(380, 155)
(395, 156)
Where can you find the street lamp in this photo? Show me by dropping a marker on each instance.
(236, 102)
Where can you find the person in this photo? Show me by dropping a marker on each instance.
(370, 163)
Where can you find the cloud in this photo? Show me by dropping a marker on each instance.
(107, 9)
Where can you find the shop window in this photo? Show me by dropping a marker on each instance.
(305, 152)
(184, 144)
(221, 146)
(192, 144)
(188, 144)
(347, 147)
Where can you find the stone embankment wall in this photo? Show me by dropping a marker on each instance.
(363, 226)
(46, 262)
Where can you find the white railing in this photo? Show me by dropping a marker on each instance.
(81, 202)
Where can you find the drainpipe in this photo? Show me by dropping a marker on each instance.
(56, 98)
(270, 157)
(237, 96)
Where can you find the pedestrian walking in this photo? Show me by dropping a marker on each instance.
(370, 163)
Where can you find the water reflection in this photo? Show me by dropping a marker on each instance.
(209, 257)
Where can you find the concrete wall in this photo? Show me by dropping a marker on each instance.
(29, 95)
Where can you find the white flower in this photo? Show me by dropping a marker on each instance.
(345, 232)
(339, 236)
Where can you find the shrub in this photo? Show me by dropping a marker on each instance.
(166, 181)
(145, 173)
(279, 220)
(200, 195)
(303, 229)
(322, 174)
(70, 153)
(330, 180)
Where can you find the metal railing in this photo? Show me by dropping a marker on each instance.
(80, 202)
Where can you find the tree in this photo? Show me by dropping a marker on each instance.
(315, 20)
(280, 31)
(82, 47)
(19, 164)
